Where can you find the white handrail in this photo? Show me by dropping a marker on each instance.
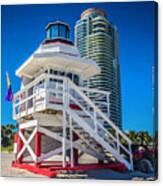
(99, 111)
(94, 90)
(72, 86)
(29, 85)
(92, 117)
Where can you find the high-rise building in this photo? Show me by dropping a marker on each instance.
(97, 38)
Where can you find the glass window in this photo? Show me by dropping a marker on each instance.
(54, 31)
(99, 26)
(61, 73)
(51, 71)
(76, 79)
(69, 75)
(67, 34)
(55, 72)
(48, 33)
(62, 31)
(58, 30)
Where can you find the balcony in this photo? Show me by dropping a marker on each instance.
(48, 92)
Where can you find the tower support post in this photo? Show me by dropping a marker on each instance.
(64, 120)
(15, 150)
(20, 146)
(71, 142)
(75, 151)
(64, 140)
(38, 138)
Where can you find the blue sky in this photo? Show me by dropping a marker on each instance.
(23, 29)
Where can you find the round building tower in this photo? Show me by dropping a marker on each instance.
(97, 38)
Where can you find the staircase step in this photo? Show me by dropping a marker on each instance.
(100, 141)
(86, 136)
(82, 132)
(77, 128)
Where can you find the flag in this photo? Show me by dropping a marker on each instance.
(9, 94)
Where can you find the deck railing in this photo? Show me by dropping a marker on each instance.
(46, 91)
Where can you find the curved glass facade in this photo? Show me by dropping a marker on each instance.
(97, 38)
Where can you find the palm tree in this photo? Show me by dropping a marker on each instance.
(7, 134)
(140, 138)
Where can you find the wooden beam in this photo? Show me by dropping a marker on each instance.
(26, 144)
(28, 124)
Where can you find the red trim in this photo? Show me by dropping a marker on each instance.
(38, 145)
(20, 146)
(52, 171)
(55, 101)
(16, 137)
(44, 163)
(57, 40)
(35, 169)
(57, 23)
(75, 151)
(59, 101)
(75, 107)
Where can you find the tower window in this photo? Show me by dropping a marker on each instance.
(69, 75)
(76, 79)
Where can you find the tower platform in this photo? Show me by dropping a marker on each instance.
(52, 168)
(56, 115)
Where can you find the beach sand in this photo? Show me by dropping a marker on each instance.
(104, 174)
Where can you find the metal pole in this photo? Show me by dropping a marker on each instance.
(131, 157)
(71, 143)
(64, 140)
(95, 121)
(46, 86)
(64, 123)
(118, 141)
(108, 105)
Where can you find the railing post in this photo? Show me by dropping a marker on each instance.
(71, 142)
(131, 157)
(95, 120)
(108, 105)
(19, 106)
(34, 98)
(73, 135)
(75, 151)
(46, 90)
(15, 149)
(66, 94)
(26, 102)
(118, 147)
(64, 139)
(57, 89)
(64, 123)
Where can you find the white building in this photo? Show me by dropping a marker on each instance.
(56, 115)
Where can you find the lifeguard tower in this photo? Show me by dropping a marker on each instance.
(58, 116)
